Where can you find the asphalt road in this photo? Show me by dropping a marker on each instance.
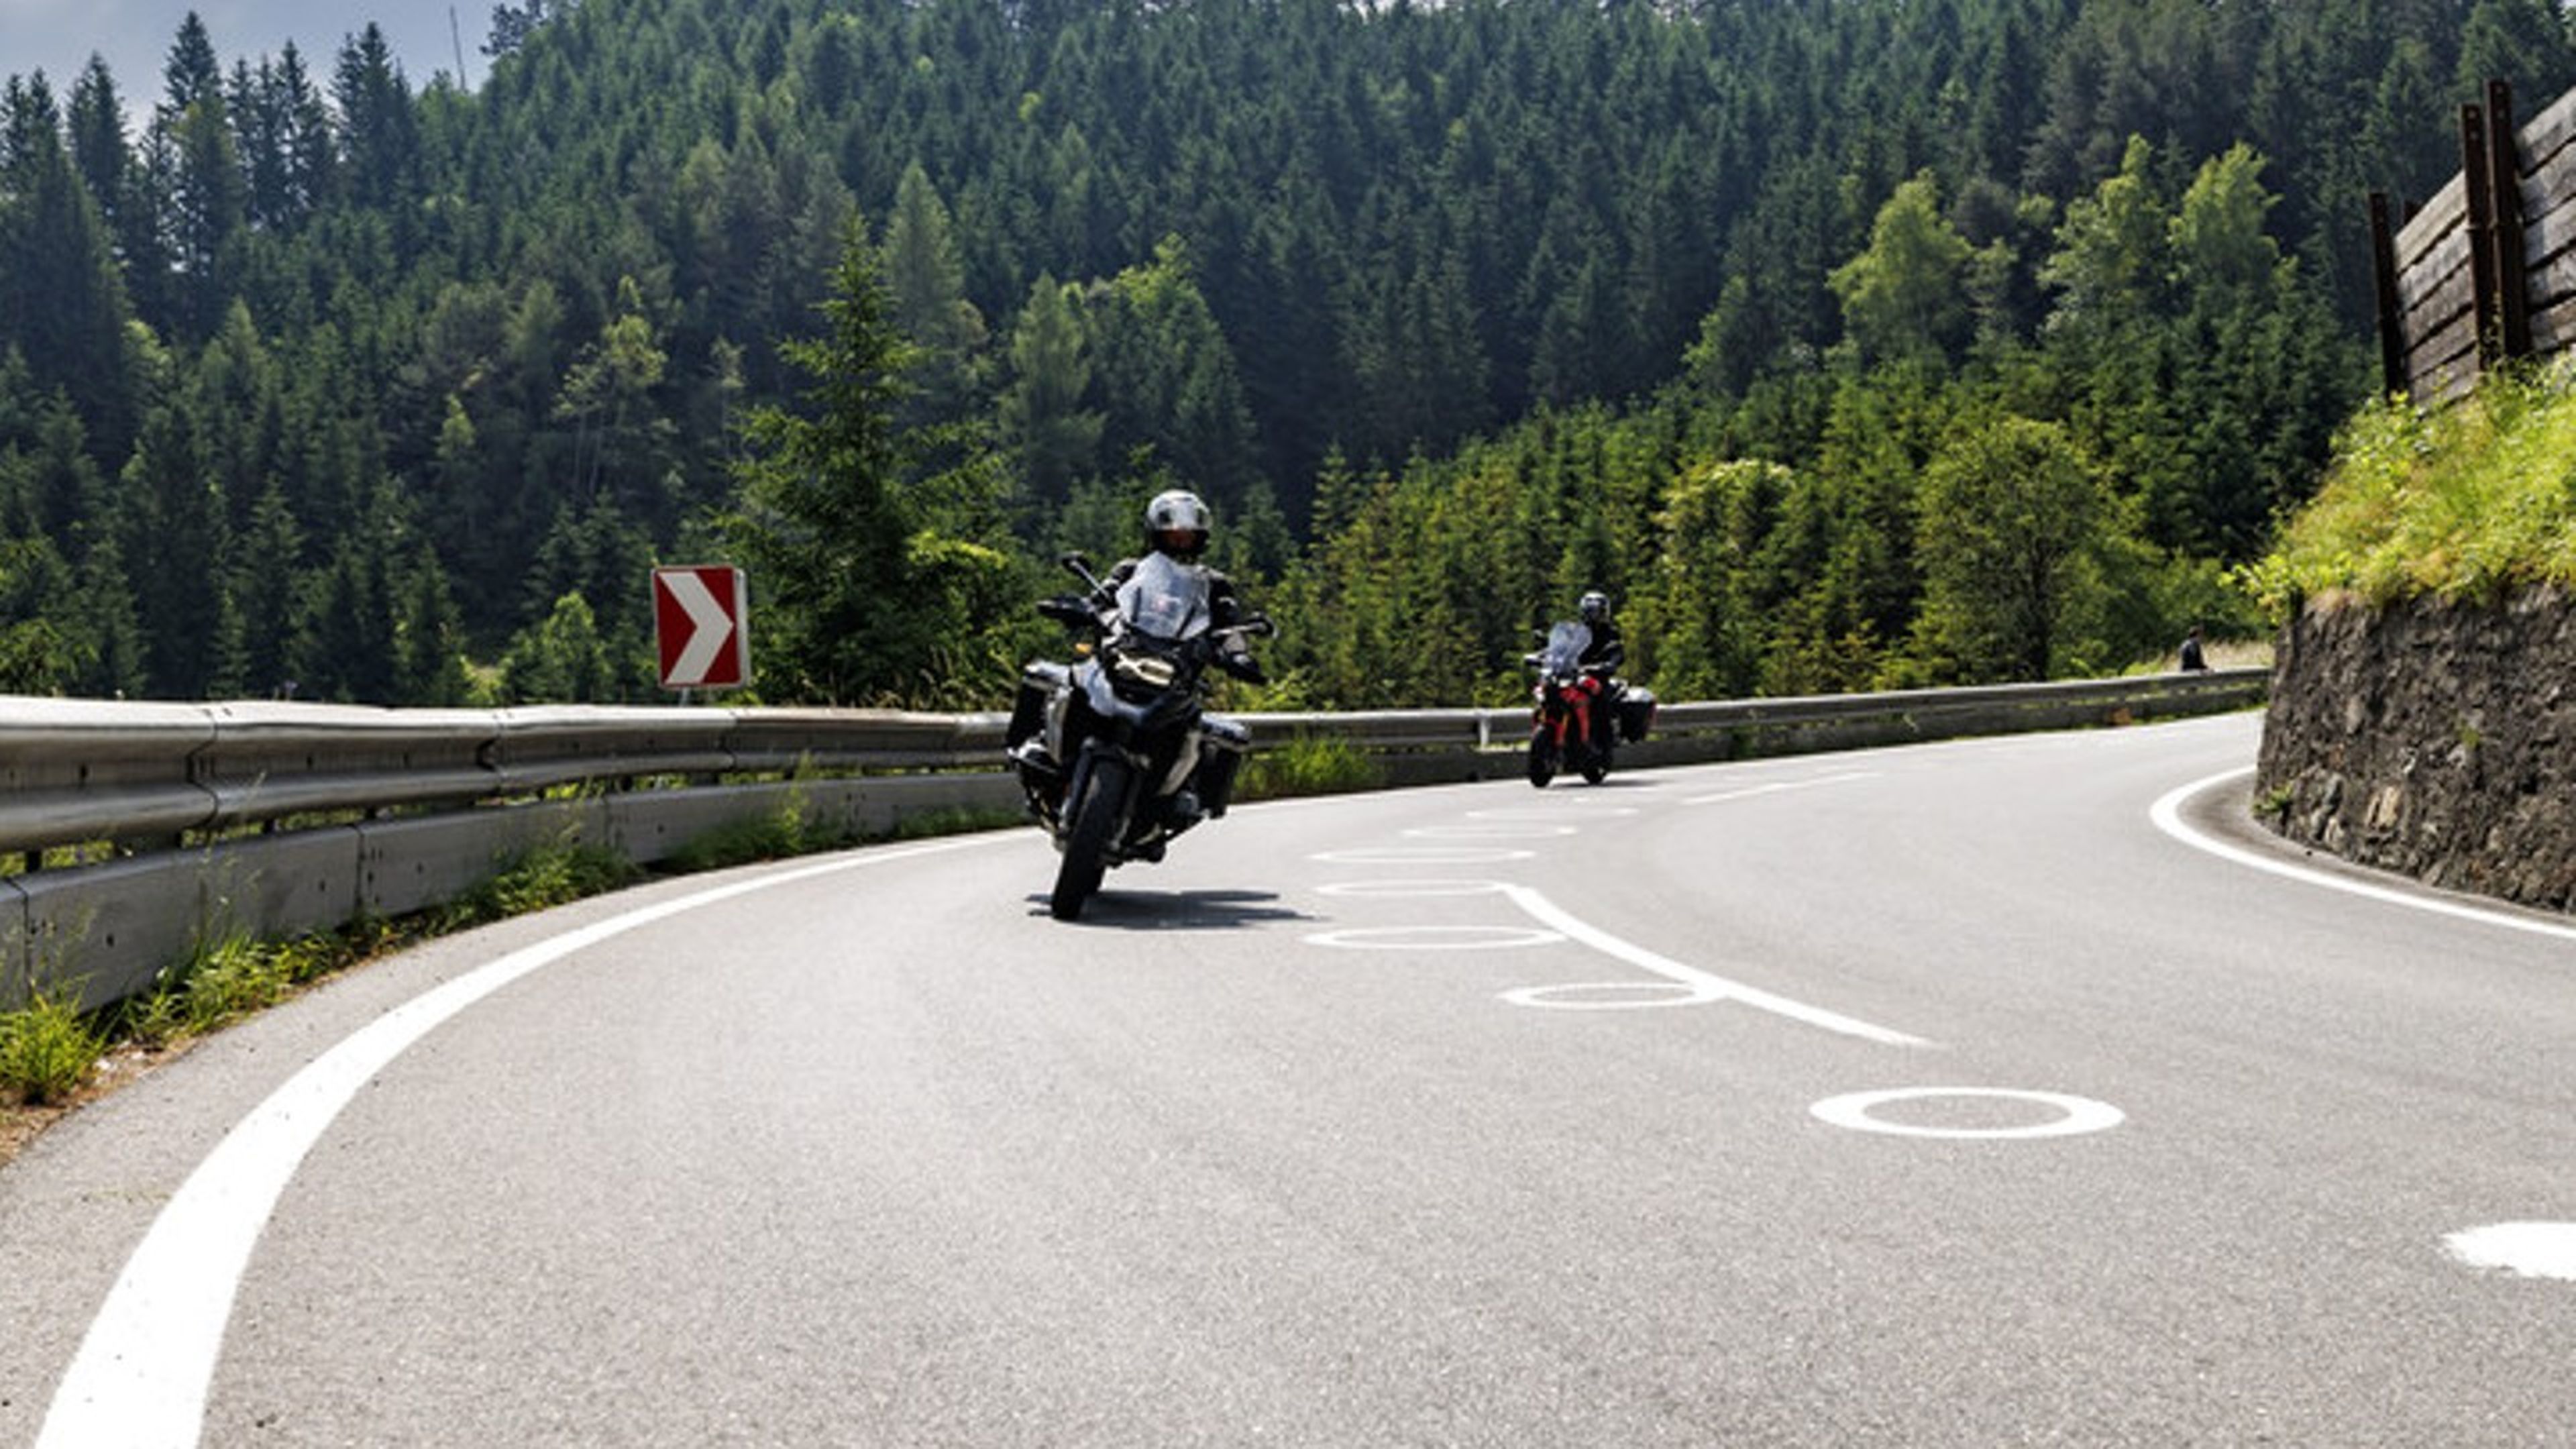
(1930, 1096)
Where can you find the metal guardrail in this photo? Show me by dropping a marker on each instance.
(275, 818)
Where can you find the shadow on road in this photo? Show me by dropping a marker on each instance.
(1127, 910)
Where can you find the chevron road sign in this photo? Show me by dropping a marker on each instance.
(701, 618)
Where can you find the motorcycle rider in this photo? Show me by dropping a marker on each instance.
(1177, 526)
(1602, 655)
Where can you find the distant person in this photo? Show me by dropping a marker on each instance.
(2193, 660)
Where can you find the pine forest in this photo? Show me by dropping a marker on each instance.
(1847, 344)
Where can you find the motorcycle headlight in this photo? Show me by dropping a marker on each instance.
(1146, 669)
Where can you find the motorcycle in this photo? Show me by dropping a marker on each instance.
(1579, 714)
(1114, 752)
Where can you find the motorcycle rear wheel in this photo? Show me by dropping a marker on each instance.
(1088, 838)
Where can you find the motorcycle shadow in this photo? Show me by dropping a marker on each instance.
(1147, 910)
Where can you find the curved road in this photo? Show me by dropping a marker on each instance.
(1969, 1094)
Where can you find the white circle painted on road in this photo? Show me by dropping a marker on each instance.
(1410, 889)
(1421, 855)
(2076, 1115)
(1435, 938)
(1497, 830)
(2527, 1250)
(1613, 996)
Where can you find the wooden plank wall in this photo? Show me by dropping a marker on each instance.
(2485, 270)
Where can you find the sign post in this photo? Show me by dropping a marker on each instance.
(701, 626)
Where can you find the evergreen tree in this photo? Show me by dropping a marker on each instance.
(1056, 438)
(63, 308)
(206, 196)
(927, 285)
(169, 512)
(1169, 376)
(823, 527)
(379, 135)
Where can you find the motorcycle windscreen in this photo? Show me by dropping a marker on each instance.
(1166, 599)
(1565, 645)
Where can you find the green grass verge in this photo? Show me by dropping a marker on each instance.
(2471, 502)
(1308, 765)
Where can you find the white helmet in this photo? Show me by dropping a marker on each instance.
(1176, 522)
(1596, 607)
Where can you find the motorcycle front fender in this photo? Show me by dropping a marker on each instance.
(1077, 786)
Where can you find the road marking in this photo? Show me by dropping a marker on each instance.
(1434, 938)
(1410, 889)
(2076, 1114)
(2526, 1250)
(1777, 786)
(1615, 996)
(1572, 806)
(1421, 855)
(2167, 814)
(141, 1377)
(1494, 830)
(1709, 987)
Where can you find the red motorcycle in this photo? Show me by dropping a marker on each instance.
(1578, 713)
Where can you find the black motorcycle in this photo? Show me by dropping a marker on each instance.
(1578, 712)
(1114, 751)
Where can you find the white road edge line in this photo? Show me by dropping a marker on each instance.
(147, 1363)
(1549, 914)
(2167, 814)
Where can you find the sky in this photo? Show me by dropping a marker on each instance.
(57, 36)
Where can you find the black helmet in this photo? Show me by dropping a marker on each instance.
(1176, 523)
(1596, 607)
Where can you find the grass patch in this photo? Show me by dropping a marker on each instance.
(47, 1050)
(2468, 503)
(959, 820)
(549, 875)
(2276, 804)
(1308, 765)
(786, 831)
(230, 979)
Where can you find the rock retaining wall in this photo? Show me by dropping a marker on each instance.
(2431, 738)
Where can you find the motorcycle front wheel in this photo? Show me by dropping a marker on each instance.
(1542, 757)
(1087, 839)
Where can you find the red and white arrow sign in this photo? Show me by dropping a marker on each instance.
(700, 623)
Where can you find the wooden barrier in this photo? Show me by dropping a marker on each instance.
(2485, 271)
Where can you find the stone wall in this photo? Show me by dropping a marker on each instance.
(2430, 738)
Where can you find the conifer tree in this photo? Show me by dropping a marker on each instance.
(823, 527)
